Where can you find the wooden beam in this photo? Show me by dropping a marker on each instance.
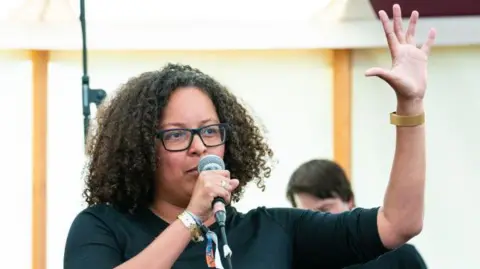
(342, 109)
(39, 154)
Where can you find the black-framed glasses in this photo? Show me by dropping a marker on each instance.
(180, 139)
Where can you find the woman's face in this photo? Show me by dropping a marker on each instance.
(177, 174)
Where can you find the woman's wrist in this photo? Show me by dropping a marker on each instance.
(197, 214)
(409, 107)
(193, 224)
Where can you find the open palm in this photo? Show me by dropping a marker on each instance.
(408, 75)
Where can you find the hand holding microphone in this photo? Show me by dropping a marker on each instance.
(211, 193)
(213, 183)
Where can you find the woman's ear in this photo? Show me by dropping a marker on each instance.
(351, 204)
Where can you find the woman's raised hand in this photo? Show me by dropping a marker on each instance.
(408, 74)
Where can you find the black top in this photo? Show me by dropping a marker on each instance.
(406, 257)
(282, 238)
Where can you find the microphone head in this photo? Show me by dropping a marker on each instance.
(210, 162)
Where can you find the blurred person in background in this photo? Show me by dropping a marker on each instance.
(149, 206)
(322, 185)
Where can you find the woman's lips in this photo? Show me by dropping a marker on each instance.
(193, 170)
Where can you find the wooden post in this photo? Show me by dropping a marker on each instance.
(342, 109)
(39, 154)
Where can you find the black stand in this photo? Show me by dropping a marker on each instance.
(89, 96)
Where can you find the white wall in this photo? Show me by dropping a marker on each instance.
(451, 233)
(284, 88)
(16, 159)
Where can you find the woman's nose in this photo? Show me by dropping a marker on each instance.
(197, 146)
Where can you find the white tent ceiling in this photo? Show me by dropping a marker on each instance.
(209, 24)
(204, 10)
(165, 10)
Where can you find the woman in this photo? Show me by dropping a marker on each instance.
(147, 200)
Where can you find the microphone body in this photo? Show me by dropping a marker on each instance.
(213, 162)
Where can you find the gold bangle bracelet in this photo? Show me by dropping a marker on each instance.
(407, 121)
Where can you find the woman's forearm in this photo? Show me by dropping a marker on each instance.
(163, 251)
(404, 199)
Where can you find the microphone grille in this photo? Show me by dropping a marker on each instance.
(211, 162)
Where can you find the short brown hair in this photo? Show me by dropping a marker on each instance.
(320, 178)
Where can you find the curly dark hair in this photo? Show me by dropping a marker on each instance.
(123, 159)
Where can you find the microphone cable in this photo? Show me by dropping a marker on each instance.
(221, 218)
(227, 252)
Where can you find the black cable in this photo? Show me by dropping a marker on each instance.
(224, 238)
(221, 217)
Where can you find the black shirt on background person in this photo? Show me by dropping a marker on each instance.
(403, 257)
(322, 185)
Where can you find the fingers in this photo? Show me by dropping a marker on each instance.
(389, 32)
(412, 25)
(214, 188)
(395, 35)
(375, 71)
(430, 41)
(228, 188)
(229, 184)
(217, 183)
(224, 173)
(397, 23)
(218, 191)
(384, 74)
(234, 183)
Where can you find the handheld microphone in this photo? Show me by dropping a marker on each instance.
(213, 162)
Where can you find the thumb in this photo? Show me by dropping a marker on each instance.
(234, 184)
(379, 72)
